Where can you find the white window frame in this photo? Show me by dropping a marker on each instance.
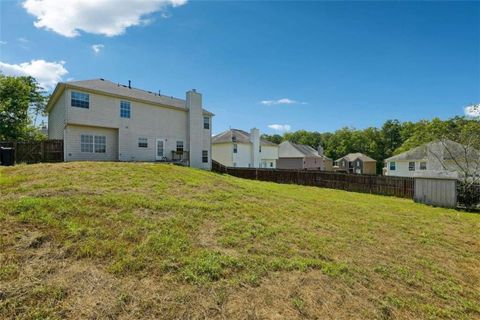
(125, 109)
(410, 166)
(87, 146)
(142, 142)
(206, 122)
(182, 147)
(421, 167)
(99, 144)
(235, 148)
(392, 166)
(81, 103)
(204, 156)
(93, 146)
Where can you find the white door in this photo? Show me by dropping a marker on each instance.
(160, 149)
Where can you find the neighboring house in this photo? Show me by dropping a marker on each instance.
(356, 163)
(104, 121)
(299, 156)
(238, 148)
(432, 159)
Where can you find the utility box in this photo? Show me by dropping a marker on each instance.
(7, 156)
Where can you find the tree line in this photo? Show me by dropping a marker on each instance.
(391, 138)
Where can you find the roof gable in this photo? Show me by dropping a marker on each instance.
(237, 136)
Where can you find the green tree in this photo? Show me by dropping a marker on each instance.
(21, 98)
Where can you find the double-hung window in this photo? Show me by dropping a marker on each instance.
(179, 146)
(100, 144)
(423, 165)
(90, 143)
(206, 122)
(205, 156)
(392, 166)
(80, 100)
(235, 148)
(142, 142)
(86, 143)
(411, 166)
(124, 109)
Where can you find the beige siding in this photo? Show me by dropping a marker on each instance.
(222, 153)
(369, 168)
(328, 165)
(73, 145)
(56, 119)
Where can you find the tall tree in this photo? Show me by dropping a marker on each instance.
(20, 99)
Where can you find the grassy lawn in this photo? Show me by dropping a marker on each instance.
(122, 240)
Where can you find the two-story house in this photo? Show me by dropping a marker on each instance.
(238, 148)
(356, 163)
(443, 158)
(106, 121)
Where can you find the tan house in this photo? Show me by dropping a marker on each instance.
(356, 163)
(238, 148)
(106, 121)
(298, 156)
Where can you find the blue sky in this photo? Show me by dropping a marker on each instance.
(314, 65)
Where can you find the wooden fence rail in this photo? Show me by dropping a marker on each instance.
(392, 186)
(36, 151)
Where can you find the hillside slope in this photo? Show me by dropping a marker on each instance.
(124, 240)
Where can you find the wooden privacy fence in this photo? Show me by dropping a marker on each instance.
(36, 151)
(392, 186)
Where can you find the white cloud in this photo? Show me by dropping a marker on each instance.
(97, 48)
(472, 110)
(280, 127)
(105, 17)
(48, 74)
(3, 43)
(280, 101)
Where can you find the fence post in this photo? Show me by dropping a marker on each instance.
(42, 150)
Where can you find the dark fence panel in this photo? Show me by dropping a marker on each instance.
(384, 185)
(36, 151)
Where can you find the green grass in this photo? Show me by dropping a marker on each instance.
(165, 242)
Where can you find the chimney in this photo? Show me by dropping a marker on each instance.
(320, 149)
(196, 132)
(129, 84)
(255, 140)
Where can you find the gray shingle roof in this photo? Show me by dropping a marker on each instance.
(354, 156)
(110, 87)
(305, 151)
(240, 136)
(450, 149)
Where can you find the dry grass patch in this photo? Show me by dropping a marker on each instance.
(125, 240)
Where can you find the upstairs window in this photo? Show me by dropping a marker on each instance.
(235, 148)
(179, 146)
(205, 156)
(411, 166)
(423, 165)
(142, 142)
(124, 109)
(260, 148)
(206, 122)
(80, 100)
(392, 166)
